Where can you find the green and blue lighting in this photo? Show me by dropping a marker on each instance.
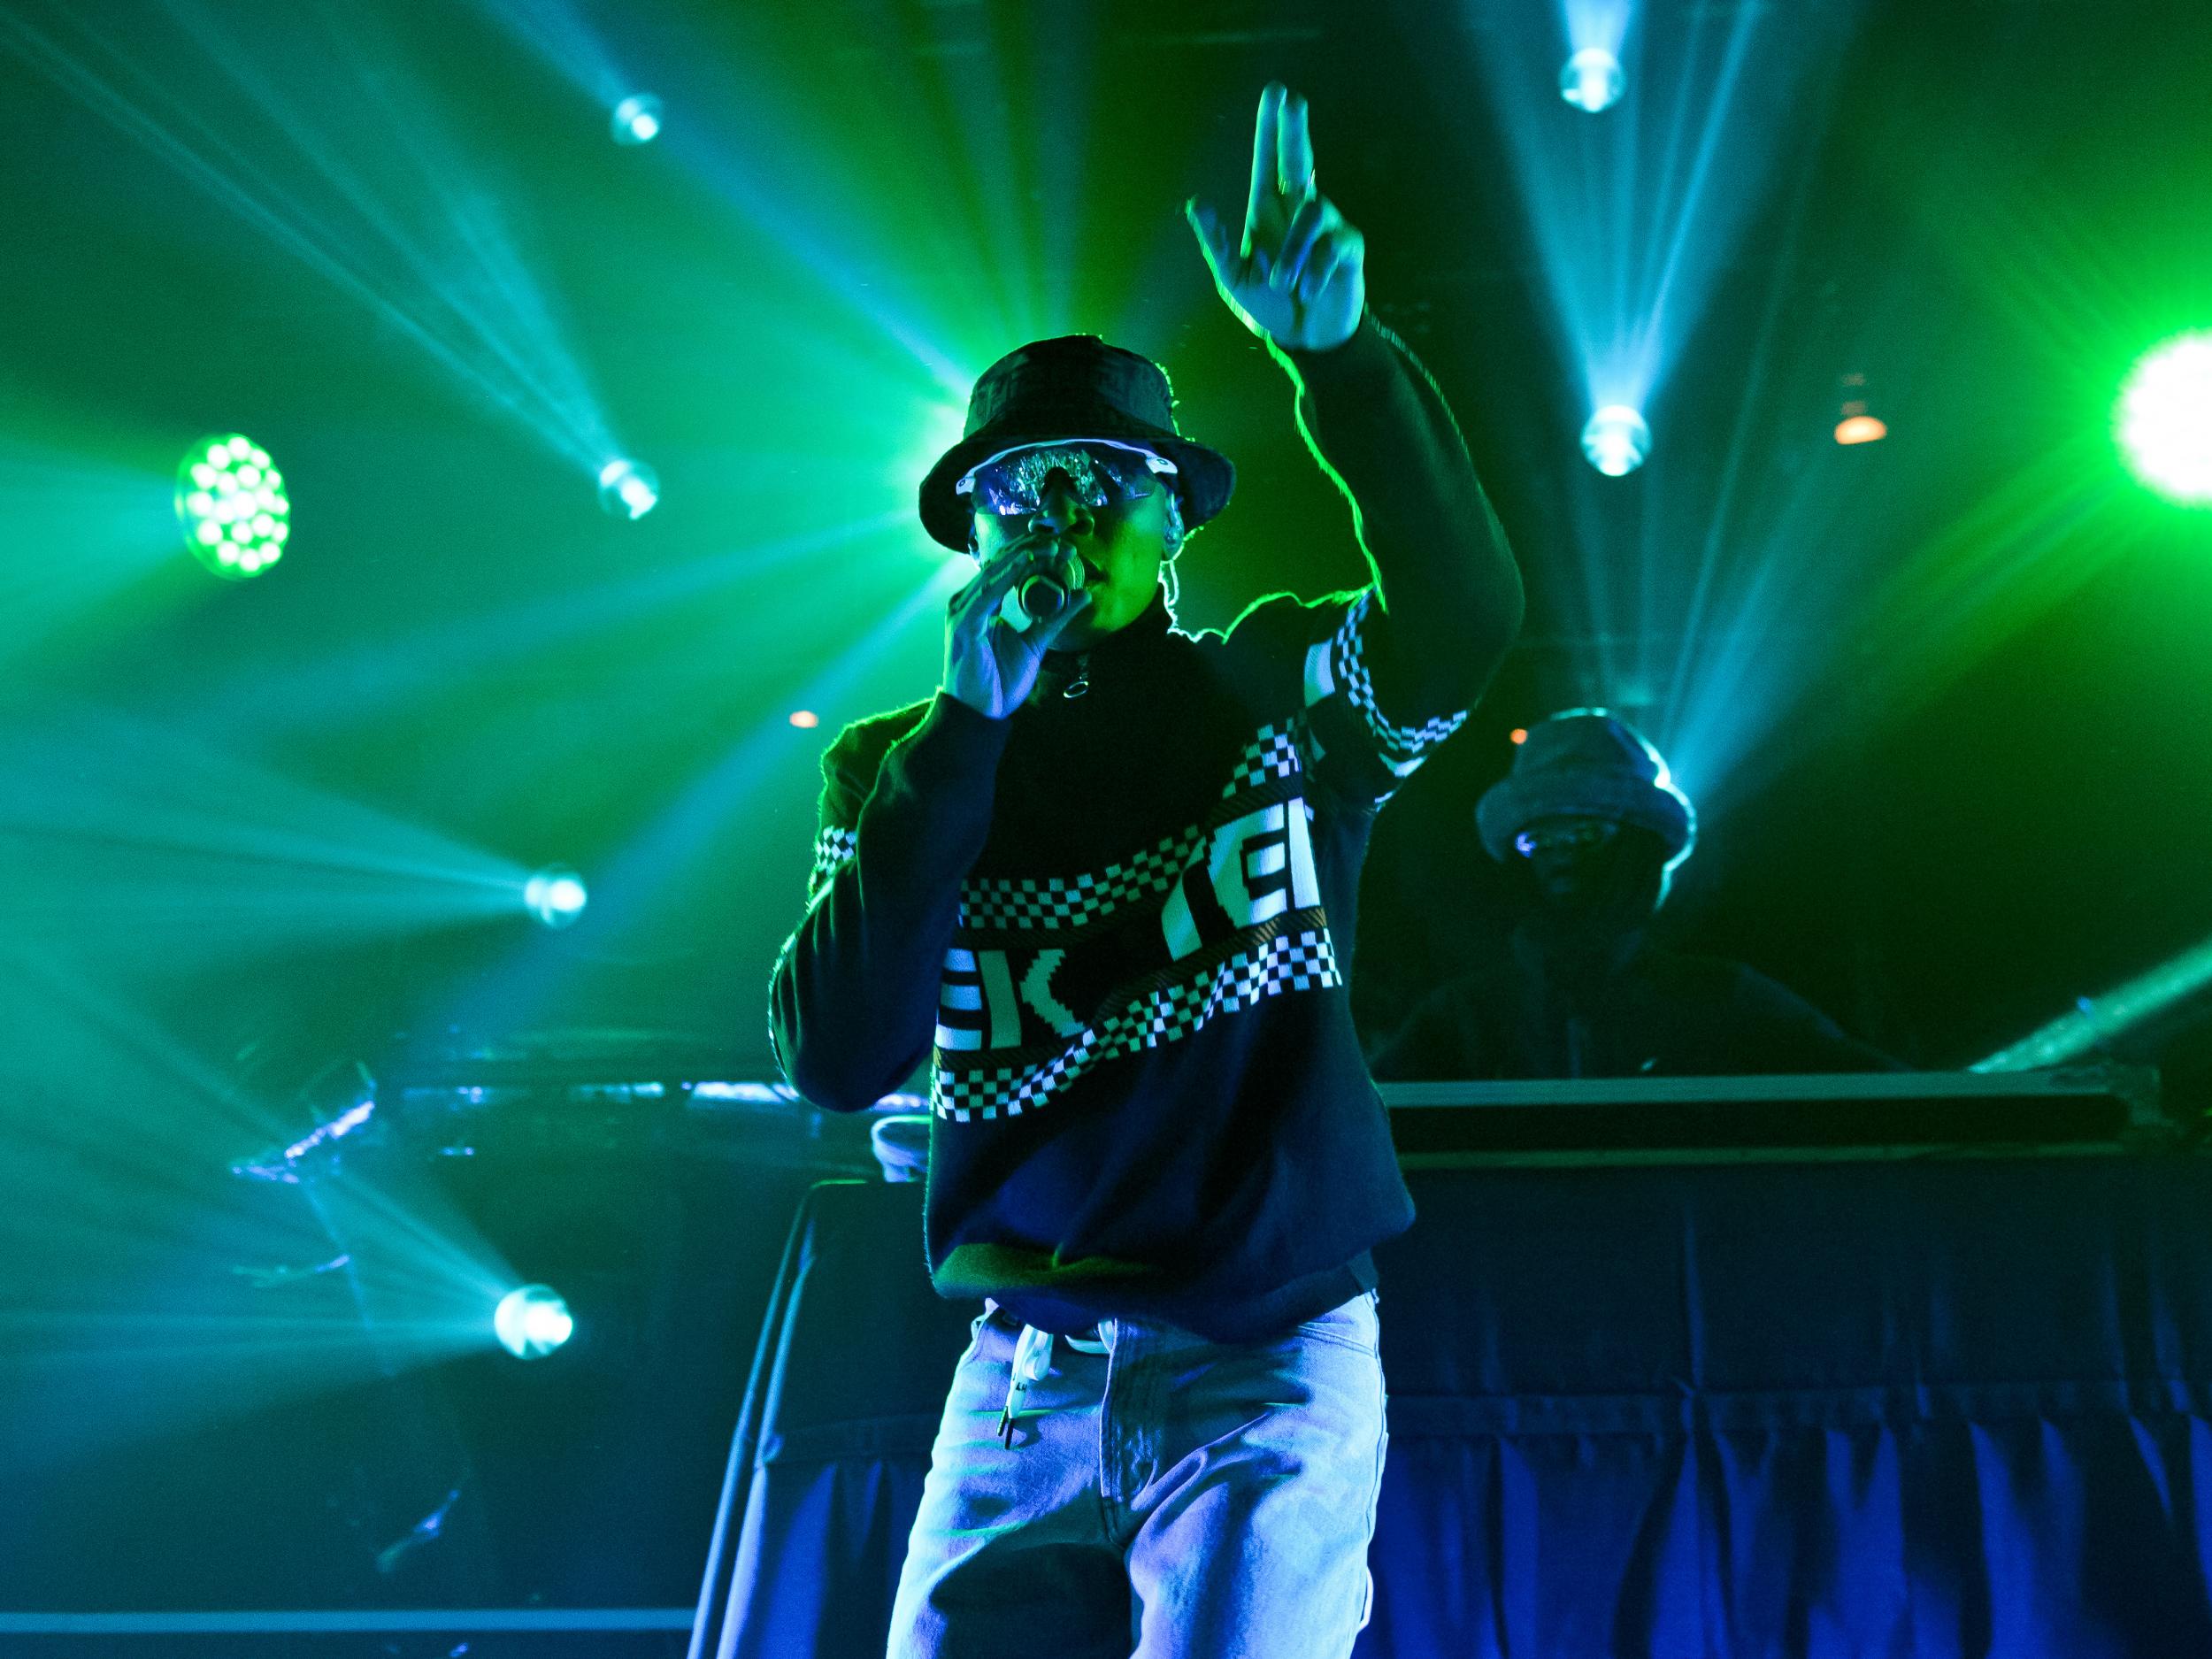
(636, 120)
(556, 895)
(2095, 1023)
(628, 489)
(1593, 80)
(531, 1320)
(231, 503)
(2164, 420)
(411, 232)
(1615, 440)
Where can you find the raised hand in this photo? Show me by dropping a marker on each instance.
(989, 666)
(1299, 274)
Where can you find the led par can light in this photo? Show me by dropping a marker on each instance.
(232, 505)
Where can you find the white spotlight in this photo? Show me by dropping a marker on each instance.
(1616, 439)
(1592, 80)
(628, 489)
(556, 895)
(532, 1321)
(637, 119)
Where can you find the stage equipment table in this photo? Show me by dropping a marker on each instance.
(1885, 1407)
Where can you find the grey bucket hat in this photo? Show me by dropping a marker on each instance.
(1587, 763)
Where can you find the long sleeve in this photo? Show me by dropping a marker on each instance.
(1445, 586)
(853, 1004)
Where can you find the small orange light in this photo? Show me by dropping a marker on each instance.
(1860, 429)
(1520, 734)
(805, 719)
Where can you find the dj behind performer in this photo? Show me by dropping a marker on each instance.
(1590, 828)
(1109, 871)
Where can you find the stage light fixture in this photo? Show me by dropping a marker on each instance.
(1860, 429)
(628, 489)
(637, 119)
(1616, 439)
(2164, 421)
(556, 895)
(532, 1321)
(231, 504)
(1592, 80)
(805, 720)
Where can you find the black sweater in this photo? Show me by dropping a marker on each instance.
(1125, 919)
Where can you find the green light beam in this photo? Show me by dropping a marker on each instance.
(2096, 1022)
(80, 532)
(369, 683)
(129, 831)
(450, 281)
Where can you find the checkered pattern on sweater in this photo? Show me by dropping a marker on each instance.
(995, 903)
(1290, 962)
(1274, 753)
(833, 849)
(1403, 747)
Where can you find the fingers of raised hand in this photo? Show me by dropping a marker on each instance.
(1265, 143)
(1315, 219)
(1339, 253)
(1294, 149)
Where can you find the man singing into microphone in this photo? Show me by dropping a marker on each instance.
(1109, 871)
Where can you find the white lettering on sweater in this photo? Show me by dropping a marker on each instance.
(1037, 992)
(1257, 866)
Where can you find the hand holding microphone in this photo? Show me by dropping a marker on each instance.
(1055, 577)
(995, 641)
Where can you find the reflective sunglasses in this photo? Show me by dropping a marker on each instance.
(1571, 835)
(1102, 474)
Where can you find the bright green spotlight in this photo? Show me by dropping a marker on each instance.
(532, 1321)
(2164, 420)
(231, 502)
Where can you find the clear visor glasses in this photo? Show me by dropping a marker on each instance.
(1100, 474)
(1579, 834)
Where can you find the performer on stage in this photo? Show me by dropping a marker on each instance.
(1108, 873)
(1592, 828)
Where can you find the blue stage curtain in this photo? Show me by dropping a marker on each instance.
(1864, 1409)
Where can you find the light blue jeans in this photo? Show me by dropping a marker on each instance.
(1165, 1497)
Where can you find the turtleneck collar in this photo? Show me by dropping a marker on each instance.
(1070, 674)
(1149, 628)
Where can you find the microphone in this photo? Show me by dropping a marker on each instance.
(1043, 593)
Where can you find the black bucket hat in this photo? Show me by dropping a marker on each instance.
(1064, 390)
